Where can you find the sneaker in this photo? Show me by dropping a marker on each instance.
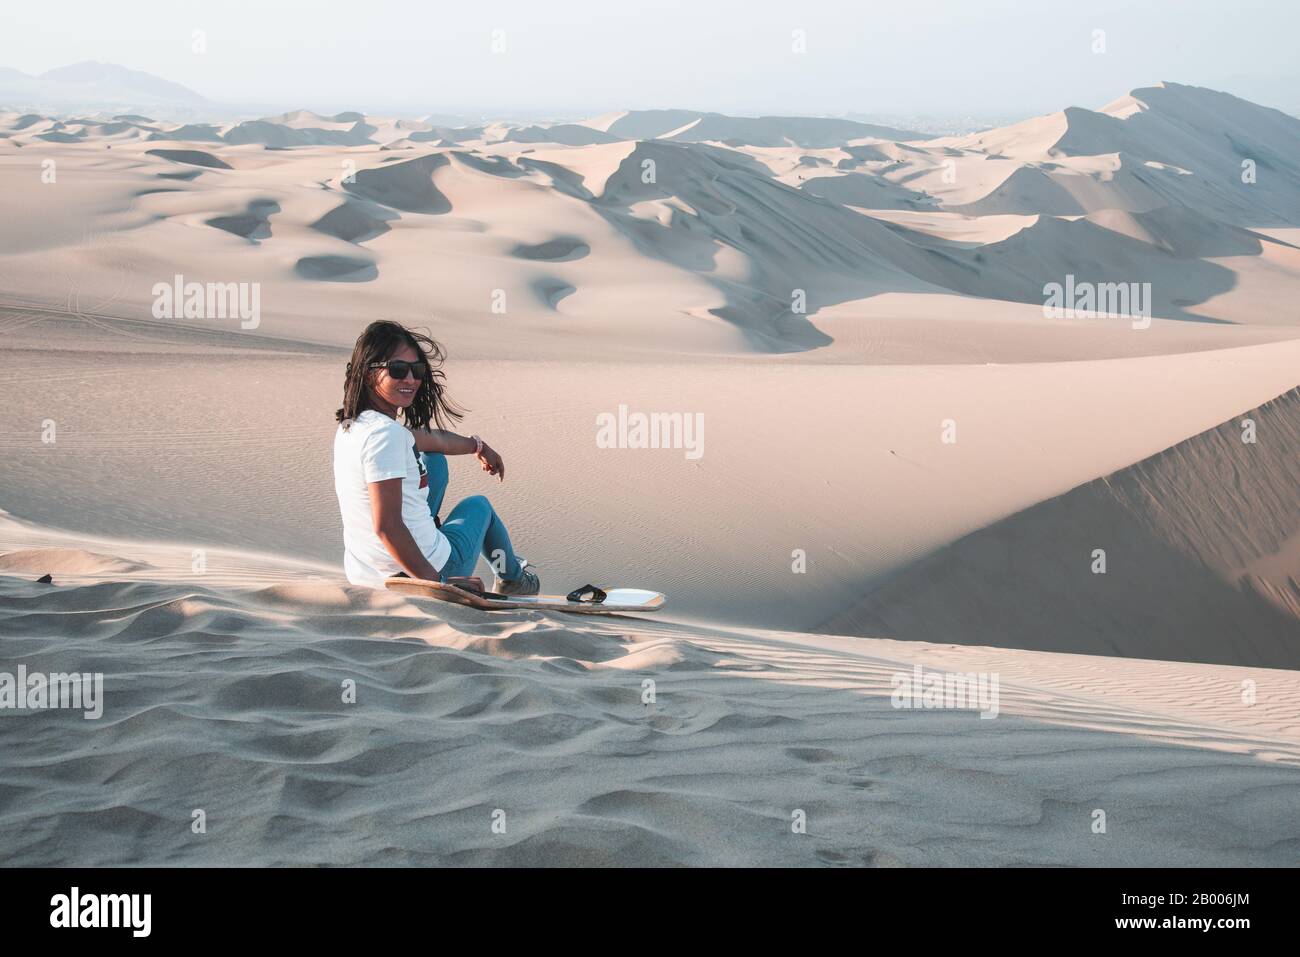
(526, 584)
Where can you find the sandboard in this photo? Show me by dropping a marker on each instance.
(616, 599)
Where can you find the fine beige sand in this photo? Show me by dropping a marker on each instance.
(224, 693)
(903, 462)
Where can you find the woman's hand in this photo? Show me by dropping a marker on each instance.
(449, 443)
(491, 462)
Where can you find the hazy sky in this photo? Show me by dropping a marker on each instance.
(941, 57)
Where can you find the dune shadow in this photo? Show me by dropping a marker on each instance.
(253, 224)
(1172, 541)
(406, 185)
(336, 269)
(190, 157)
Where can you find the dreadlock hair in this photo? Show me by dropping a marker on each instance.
(377, 344)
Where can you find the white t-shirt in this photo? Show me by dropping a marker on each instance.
(372, 449)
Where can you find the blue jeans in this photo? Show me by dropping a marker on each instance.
(472, 528)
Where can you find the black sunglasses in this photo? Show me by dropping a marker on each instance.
(398, 368)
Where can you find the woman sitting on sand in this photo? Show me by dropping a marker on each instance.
(390, 478)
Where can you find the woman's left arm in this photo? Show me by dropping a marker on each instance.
(449, 443)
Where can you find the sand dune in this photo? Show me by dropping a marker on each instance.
(286, 134)
(1183, 232)
(1198, 552)
(405, 185)
(228, 697)
(305, 128)
(189, 132)
(760, 246)
(1175, 250)
(336, 268)
(882, 491)
(694, 272)
(193, 157)
(568, 134)
(865, 192)
(560, 249)
(693, 127)
(76, 561)
(355, 222)
(1172, 144)
(252, 224)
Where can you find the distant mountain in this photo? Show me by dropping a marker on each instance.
(95, 86)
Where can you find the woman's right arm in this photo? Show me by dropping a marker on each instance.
(440, 440)
(386, 510)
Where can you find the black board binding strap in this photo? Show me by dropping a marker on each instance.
(597, 596)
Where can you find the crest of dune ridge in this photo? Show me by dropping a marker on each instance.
(1201, 548)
